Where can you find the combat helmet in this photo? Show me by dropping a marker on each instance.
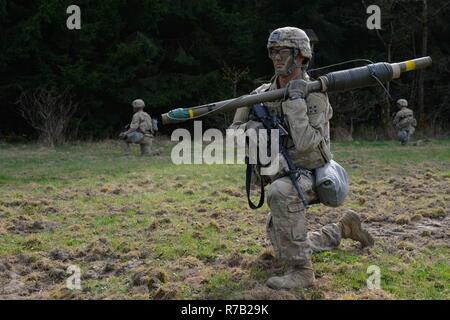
(402, 103)
(294, 38)
(138, 103)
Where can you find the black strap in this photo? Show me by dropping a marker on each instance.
(248, 181)
(269, 123)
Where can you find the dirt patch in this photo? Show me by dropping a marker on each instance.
(166, 292)
(58, 254)
(433, 213)
(265, 261)
(26, 275)
(234, 260)
(160, 213)
(368, 295)
(98, 250)
(403, 219)
(188, 262)
(153, 281)
(23, 203)
(232, 192)
(103, 269)
(418, 232)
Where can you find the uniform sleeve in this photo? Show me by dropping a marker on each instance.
(396, 119)
(134, 125)
(240, 117)
(304, 135)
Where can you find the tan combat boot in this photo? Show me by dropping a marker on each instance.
(126, 148)
(147, 151)
(296, 277)
(146, 147)
(351, 228)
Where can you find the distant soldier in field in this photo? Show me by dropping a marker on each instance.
(140, 131)
(308, 144)
(404, 121)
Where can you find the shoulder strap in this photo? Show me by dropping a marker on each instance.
(248, 181)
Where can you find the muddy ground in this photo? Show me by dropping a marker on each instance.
(146, 229)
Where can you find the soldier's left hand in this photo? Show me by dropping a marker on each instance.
(297, 89)
(122, 135)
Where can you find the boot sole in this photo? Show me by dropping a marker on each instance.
(363, 236)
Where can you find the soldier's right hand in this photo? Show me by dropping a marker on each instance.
(297, 89)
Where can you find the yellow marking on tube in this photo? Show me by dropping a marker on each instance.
(191, 113)
(410, 65)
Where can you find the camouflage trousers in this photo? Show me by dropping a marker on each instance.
(405, 133)
(145, 145)
(286, 223)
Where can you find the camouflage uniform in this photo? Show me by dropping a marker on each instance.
(308, 145)
(140, 131)
(404, 122)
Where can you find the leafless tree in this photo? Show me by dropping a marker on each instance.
(232, 75)
(355, 108)
(387, 37)
(426, 12)
(49, 112)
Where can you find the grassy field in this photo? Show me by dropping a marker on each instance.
(143, 228)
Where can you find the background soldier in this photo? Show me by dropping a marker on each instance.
(404, 122)
(308, 145)
(140, 130)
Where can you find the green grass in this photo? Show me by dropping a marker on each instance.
(160, 214)
(221, 286)
(425, 276)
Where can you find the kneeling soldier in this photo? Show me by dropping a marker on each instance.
(140, 131)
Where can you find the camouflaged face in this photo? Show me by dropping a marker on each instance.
(292, 38)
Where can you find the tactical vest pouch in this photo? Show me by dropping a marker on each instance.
(331, 184)
(405, 122)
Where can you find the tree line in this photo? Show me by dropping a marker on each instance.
(183, 53)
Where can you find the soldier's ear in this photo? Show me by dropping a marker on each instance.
(300, 58)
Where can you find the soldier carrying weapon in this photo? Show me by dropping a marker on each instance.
(299, 106)
(306, 116)
(140, 131)
(404, 122)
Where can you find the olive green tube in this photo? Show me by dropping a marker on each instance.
(349, 79)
